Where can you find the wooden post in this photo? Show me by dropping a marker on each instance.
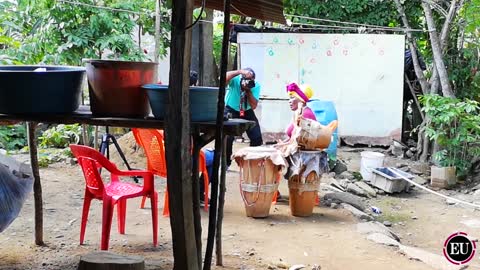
(412, 91)
(212, 220)
(197, 219)
(37, 186)
(178, 140)
(221, 204)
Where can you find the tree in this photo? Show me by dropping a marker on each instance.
(54, 32)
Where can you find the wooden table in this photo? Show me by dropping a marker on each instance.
(202, 134)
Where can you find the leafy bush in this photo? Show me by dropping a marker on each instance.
(61, 136)
(13, 137)
(455, 125)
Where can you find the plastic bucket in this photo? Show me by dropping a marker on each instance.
(369, 161)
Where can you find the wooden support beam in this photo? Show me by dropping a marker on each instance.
(37, 186)
(221, 204)
(178, 140)
(212, 221)
(412, 91)
(197, 219)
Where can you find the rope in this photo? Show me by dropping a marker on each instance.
(262, 173)
(378, 27)
(434, 192)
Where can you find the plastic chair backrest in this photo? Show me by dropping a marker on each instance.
(90, 160)
(152, 142)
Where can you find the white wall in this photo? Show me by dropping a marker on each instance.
(361, 74)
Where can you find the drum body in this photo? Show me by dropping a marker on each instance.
(260, 182)
(304, 174)
(303, 194)
(260, 173)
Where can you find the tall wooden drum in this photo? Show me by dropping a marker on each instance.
(260, 173)
(305, 172)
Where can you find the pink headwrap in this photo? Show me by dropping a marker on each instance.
(294, 89)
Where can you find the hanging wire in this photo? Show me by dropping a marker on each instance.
(105, 8)
(198, 18)
(357, 24)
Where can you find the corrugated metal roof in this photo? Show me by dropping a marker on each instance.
(265, 10)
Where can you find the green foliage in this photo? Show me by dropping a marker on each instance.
(61, 136)
(51, 156)
(383, 13)
(455, 125)
(53, 32)
(13, 137)
(217, 43)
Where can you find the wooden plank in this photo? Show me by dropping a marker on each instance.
(84, 116)
(37, 186)
(177, 141)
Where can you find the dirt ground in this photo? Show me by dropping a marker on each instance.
(328, 238)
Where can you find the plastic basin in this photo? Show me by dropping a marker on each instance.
(203, 102)
(115, 87)
(49, 90)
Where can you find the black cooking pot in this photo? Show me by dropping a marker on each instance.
(40, 89)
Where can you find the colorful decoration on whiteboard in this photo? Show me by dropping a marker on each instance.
(329, 53)
(381, 52)
(301, 41)
(275, 40)
(270, 51)
(290, 41)
(345, 52)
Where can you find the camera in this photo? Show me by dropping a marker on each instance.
(248, 82)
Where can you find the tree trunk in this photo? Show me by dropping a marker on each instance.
(437, 52)
(411, 43)
(207, 74)
(158, 33)
(434, 81)
(178, 140)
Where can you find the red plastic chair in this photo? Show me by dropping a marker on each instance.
(115, 192)
(152, 142)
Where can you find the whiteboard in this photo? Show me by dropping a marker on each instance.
(361, 73)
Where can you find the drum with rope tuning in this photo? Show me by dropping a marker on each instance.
(260, 173)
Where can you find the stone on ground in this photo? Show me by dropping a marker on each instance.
(383, 239)
(375, 227)
(357, 213)
(104, 260)
(370, 191)
(344, 197)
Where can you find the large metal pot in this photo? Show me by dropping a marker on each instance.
(115, 87)
(40, 89)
